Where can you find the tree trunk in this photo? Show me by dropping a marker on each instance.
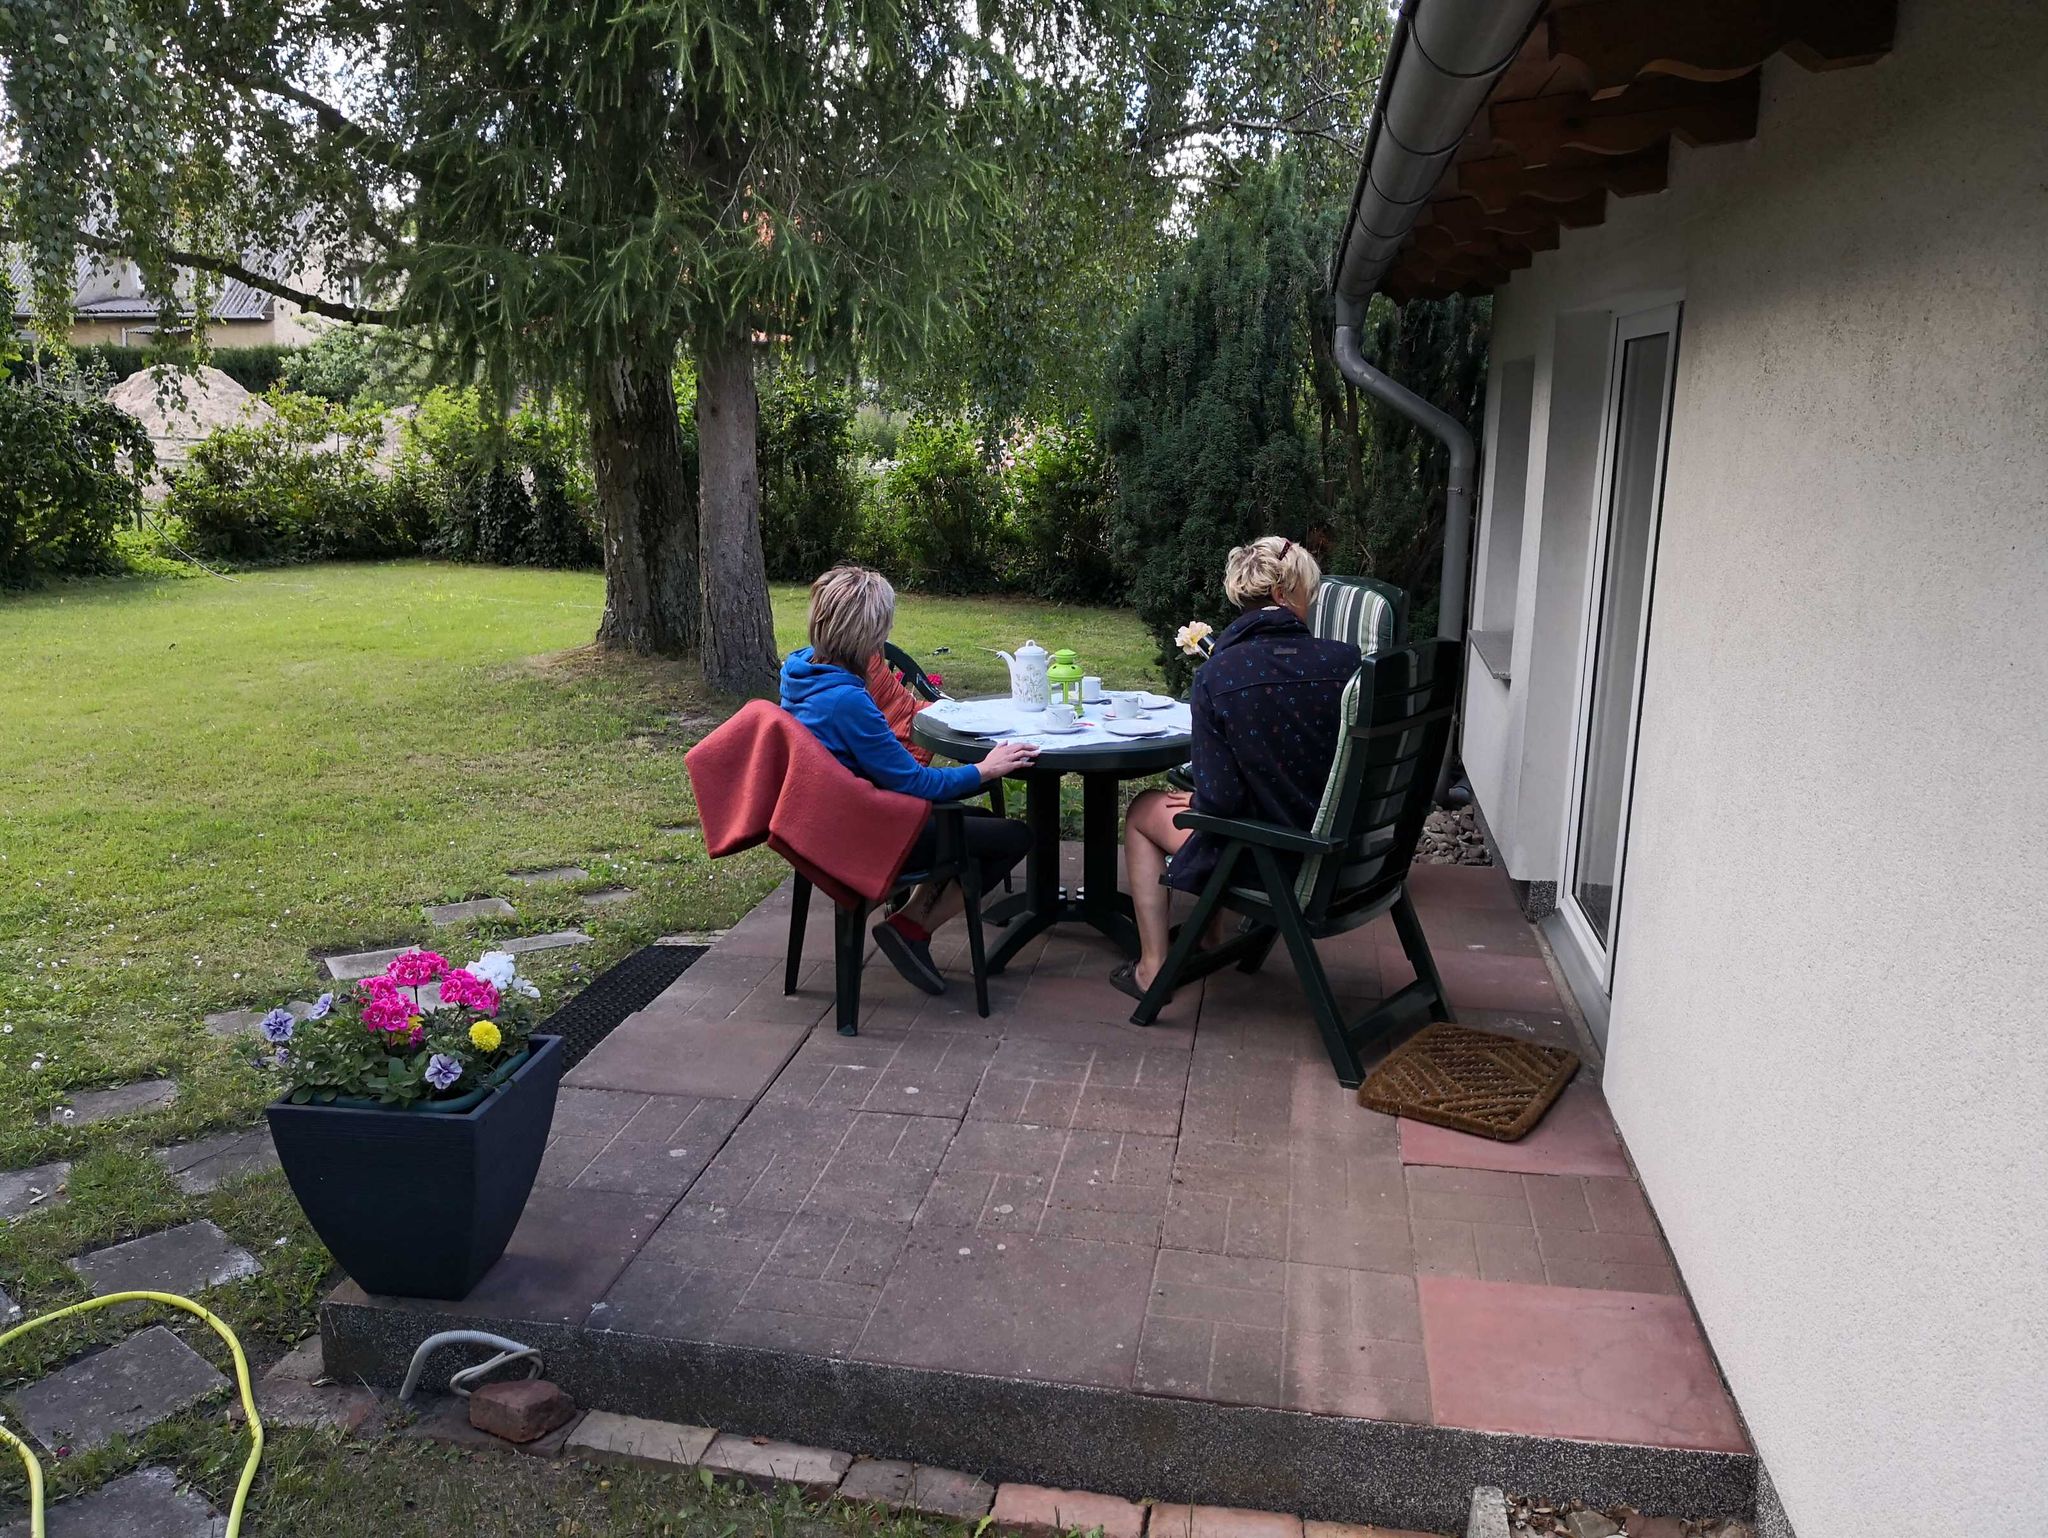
(646, 506)
(739, 629)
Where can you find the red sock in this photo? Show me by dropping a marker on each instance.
(909, 929)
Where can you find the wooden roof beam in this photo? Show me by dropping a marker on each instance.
(1655, 108)
(1503, 180)
(1617, 40)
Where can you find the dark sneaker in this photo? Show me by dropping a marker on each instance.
(913, 958)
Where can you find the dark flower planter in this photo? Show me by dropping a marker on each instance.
(421, 1203)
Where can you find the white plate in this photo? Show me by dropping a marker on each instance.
(1048, 729)
(1124, 728)
(1156, 701)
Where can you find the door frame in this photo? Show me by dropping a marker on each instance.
(1659, 319)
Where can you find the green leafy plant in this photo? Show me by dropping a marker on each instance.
(509, 490)
(937, 513)
(1062, 494)
(810, 495)
(72, 469)
(301, 485)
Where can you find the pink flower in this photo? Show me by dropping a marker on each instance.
(465, 988)
(388, 1012)
(938, 680)
(416, 968)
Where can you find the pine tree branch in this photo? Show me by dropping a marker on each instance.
(228, 267)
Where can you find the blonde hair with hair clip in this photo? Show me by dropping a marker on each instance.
(852, 609)
(1266, 568)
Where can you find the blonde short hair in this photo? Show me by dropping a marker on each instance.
(1268, 567)
(852, 609)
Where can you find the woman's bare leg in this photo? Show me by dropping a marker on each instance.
(1149, 838)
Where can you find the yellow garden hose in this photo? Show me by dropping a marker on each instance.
(35, 1469)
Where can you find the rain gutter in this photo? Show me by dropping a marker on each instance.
(1442, 62)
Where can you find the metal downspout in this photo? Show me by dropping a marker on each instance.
(1450, 623)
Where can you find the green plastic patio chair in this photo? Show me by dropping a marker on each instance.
(1372, 615)
(919, 683)
(1346, 870)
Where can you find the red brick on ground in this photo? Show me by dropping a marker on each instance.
(1221, 1522)
(522, 1411)
(1044, 1513)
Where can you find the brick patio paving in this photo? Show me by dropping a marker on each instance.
(1194, 1212)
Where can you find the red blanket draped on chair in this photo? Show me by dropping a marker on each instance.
(762, 777)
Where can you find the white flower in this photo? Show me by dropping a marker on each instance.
(521, 985)
(496, 968)
(1193, 638)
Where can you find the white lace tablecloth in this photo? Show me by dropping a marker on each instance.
(1000, 720)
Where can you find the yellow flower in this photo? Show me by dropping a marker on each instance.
(485, 1035)
(1193, 638)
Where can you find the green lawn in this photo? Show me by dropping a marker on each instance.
(206, 783)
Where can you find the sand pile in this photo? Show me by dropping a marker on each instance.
(185, 408)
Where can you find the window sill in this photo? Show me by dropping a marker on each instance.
(1496, 650)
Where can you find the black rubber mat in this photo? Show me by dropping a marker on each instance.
(632, 985)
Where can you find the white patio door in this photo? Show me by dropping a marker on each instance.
(1623, 563)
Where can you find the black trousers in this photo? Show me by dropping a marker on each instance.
(995, 843)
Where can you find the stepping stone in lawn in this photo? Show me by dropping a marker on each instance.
(547, 942)
(23, 1191)
(553, 875)
(609, 897)
(149, 1503)
(361, 964)
(186, 1260)
(91, 1105)
(463, 912)
(200, 1167)
(238, 1022)
(125, 1389)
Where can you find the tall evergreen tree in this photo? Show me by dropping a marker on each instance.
(561, 195)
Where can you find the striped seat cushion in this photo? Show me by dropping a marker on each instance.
(1359, 610)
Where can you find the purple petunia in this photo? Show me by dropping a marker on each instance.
(282, 1059)
(320, 1007)
(277, 1026)
(443, 1070)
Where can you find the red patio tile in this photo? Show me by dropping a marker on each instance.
(1041, 1513)
(1576, 1137)
(1573, 1362)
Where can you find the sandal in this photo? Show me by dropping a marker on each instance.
(1125, 980)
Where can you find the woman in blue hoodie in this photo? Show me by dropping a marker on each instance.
(824, 685)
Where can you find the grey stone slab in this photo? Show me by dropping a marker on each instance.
(125, 1389)
(763, 1462)
(664, 1052)
(186, 1260)
(610, 897)
(554, 941)
(463, 912)
(239, 1022)
(606, 1438)
(25, 1190)
(360, 964)
(205, 1165)
(307, 1407)
(891, 1482)
(1489, 1515)
(552, 876)
(91, 1105)
(149, 1503)
(304, 1363)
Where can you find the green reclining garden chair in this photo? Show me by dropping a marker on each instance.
(1349, 868)
(1370, 614)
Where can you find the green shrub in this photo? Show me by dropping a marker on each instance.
(72, 469)
(810, 495)
(357, 365)
(510, 492)
(935, 517)
(1062, 493)
(257, 369)
(301, 486)
(117, 360)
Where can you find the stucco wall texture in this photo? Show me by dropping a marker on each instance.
(1829, 1029)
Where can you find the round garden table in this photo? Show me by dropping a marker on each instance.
(1103, 763)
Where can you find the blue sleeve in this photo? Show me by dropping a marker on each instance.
(884, 760)
(1219, 787)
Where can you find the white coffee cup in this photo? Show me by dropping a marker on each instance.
(1059, 717)
(1091, 690)
(1121, 705)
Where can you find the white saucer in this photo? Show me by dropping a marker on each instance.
(1123, 728)
(1049, 730)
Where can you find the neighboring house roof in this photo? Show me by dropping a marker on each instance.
(1460, 187)
(108, 288)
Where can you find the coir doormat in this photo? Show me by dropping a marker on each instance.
(625, 989)
(1470, 1081)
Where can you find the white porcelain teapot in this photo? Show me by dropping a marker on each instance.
(1029, 688)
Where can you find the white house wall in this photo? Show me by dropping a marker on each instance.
(1828, 1036)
